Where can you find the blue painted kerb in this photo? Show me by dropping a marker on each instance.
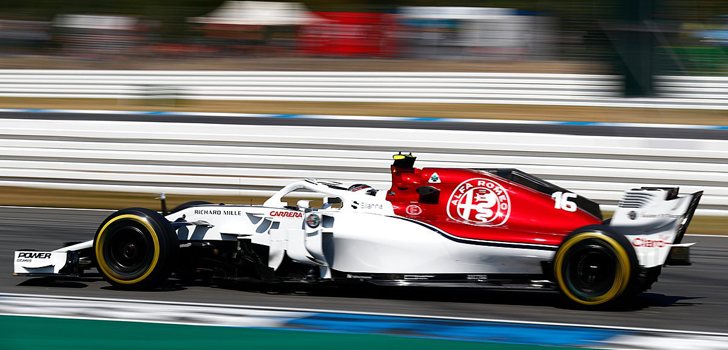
(462, 330)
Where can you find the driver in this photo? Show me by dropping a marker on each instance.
(363, 188)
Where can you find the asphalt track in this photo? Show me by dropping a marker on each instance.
(690, 298)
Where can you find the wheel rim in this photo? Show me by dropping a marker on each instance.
(590, 270)
(128, 251)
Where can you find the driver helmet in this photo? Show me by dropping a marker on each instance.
(363, 188)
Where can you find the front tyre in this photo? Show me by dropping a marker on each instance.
(135, 248)
(594, 266)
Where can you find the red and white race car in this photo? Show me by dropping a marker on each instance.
(490, 228)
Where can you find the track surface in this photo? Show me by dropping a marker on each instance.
(567, 128)
(692, 298)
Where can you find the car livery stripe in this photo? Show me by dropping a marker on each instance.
(500, 244)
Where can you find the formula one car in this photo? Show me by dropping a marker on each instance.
(491, 228)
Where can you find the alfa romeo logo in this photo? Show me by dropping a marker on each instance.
(480, 202)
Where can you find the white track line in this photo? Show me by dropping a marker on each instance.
(119, 320)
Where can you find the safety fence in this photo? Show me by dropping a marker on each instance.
(256, 160)
(402, 87)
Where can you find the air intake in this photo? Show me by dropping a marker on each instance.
(636, 199)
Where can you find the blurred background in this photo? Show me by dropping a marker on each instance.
(636, 61)
(564, 64)
(636, 38)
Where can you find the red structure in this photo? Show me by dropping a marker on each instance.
(353, 34)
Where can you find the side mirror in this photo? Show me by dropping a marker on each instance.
(303, 204)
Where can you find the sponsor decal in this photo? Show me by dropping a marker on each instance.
(479, 202)
(26, 257)
(649, 243)
(371, 206)
(34, 255)
(434, 179)
(413, 210)
(218, 212)
(663, 215)
(286, 214)
(476, 277)
(418, 277)
(367, 206)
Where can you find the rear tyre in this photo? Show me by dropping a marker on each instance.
(595, 267)
(135, 248)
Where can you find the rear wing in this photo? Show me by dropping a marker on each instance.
(655, 220)
(688, 216)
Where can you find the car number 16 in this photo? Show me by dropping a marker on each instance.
(562, 201)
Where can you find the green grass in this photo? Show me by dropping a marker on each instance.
(23, 333)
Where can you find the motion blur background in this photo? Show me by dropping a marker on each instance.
(636, 38)
(301, 67)
(635, 61)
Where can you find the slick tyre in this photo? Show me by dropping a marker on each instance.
(594, 267)
(135, 248)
